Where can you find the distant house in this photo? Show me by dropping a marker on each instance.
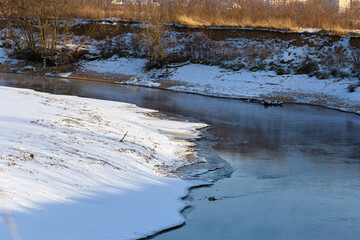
(150, 2)
(117, 2)
(342, 5)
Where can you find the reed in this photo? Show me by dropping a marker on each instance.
(241, 13)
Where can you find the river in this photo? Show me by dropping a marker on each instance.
(296, 168)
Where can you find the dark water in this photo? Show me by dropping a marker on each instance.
(297, 168)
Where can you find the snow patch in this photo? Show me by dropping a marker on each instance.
(125, 66)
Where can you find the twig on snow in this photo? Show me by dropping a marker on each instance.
(122, 140)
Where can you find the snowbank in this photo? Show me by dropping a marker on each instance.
(66, 173)
(216, 81)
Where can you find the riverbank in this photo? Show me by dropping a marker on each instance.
(242, 84)
(270, 67)
(97, 168)
(266, 87)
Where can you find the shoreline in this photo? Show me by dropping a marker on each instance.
(194, 183)
(81, 191)
(152, 236)
(291, 67)
(188, 191)
(124, 80)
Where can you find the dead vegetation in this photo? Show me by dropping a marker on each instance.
(36, 27)
(242, 13)
(152, 37)
(314, 55)
(38, 30)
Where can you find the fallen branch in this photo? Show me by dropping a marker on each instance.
(178, 65)
(122, 140)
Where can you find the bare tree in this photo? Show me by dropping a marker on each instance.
(40, 23)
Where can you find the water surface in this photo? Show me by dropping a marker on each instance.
(297, 168)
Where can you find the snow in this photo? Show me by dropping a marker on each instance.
(293, 53)
(309, 30)
(57, 74)
(79, 21)
(126, 66)
(216, 81)
(4, 58)
(140, 82)
(321, 55)
(267, 84)
(3, 55)
(66, 174)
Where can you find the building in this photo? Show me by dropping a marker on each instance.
(340, 5)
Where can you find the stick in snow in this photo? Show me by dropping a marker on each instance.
(124, 136)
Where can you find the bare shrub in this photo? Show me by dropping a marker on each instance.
(355, 60)
(152, 35)
(39, 30)
(308, 66)
(40, 23)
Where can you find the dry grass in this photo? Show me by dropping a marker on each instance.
(190, 21)
(243, 13)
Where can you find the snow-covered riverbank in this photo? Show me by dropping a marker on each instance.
(59, 151)
(310, 68)
(215, 81)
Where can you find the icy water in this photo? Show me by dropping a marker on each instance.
(296, 168)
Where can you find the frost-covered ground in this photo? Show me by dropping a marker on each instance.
(216, 81)
(68, 172)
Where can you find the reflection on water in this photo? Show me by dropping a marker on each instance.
(297, 168)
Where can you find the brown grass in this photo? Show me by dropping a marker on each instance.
(240, 13)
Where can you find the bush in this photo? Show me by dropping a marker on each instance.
(39, 30)
(307, 67)
(153, 36)
(355, 60)
(282, 71)
(39, 22)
